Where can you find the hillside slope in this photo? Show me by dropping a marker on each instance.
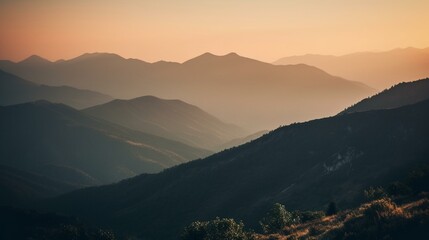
(61, 143)
(172, 119)
(19, 187)
(397, 96)
(303, 165)
(14, 90)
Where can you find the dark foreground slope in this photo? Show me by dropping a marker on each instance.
(21, 224)
(14, 90)
(304, 166)
(172, 119)
(61, 143)
(18, 187)
(397, 96)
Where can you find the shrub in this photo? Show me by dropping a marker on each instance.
(381, 209)
(196, 230)
(306, 216)
(276, 219)
(374, 193)
(225, 228)
(379, 219)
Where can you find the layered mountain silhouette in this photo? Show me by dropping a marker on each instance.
(377, 69)
(14, 90)
(399, 95)
(66, 145)
(304, 166)
(172, 119)
(252, 94)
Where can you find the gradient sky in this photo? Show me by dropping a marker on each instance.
(179, 30)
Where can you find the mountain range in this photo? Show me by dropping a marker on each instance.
(304, 165)
(68, 146)
(14, 90)
(376, 69)
(252, 94)
(171, 119)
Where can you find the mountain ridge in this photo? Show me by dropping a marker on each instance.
(69, 146)
(247, 92)
(304, 165)
(399, 95)
(379, 69)
(169, 118)
(15, 90)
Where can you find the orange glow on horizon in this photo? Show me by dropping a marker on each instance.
(168, 30)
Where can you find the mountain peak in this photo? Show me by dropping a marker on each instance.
(153, 99)
(210, 57)
(232, 54)
(146, 98)
(97, 55)
(142, 99)
(35, 59)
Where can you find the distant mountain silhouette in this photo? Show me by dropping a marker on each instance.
(66, 145)
(397, 96)
(14, 90)
(377, 69)
(252, 94)
(35, 60)
(304, 166)
(172, 119)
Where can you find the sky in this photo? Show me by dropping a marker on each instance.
(179, 30)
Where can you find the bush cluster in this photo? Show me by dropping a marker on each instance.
(225, 228)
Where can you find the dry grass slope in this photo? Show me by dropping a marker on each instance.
(379, 219)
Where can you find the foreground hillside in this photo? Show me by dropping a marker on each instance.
(377, 69)
(234, 88)
(172, 119)
(22, 224)
(20, 187)
(379, 219)
(63, 144)
(397, 96)
(14, 90)
(305, 165)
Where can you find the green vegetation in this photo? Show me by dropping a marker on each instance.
(380, 218)
(374, 193)
(307, 216)
(276, 219)
(383, 219)
(225, 228)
